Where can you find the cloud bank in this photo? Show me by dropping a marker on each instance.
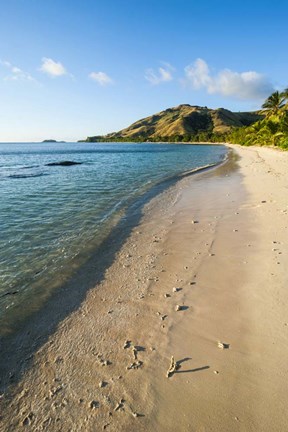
(101, 78)
(52, 68)
(240, 85)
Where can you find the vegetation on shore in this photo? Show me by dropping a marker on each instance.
(187, 123)
(272, 130)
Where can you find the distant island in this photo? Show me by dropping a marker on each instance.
(183, 123)
(52, 141)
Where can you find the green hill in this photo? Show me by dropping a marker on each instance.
(182, 123)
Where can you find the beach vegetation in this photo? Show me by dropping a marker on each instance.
(274, 104)
(272, 130)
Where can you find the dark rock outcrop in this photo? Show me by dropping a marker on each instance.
(64, 163)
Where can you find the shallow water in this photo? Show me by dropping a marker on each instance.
(53, 217)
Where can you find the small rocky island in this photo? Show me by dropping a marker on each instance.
(52, 141)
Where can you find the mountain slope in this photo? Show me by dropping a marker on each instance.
(181, 121)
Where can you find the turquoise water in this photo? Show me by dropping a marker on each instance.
(53, 217)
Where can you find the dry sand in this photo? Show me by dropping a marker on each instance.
(214, 244)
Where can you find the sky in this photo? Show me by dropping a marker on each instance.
(76, 68)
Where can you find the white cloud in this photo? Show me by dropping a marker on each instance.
(101, 78)
(52, 68)
(198, 74)
(15, 73)
(241, 85)
(16, 70)
(163, 74)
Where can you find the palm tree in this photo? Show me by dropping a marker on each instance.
(284, 122)
(274, 104)
(285, 96)
(285, 93)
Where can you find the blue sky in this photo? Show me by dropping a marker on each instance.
(73, 68)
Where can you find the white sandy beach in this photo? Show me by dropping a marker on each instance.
(220, 237)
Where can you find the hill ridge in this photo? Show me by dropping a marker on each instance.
(182, 123)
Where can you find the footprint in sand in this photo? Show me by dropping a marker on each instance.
(127, 344)
(181, 308)
(135, 365)
(223, 345)
(94, 404)
(175, 289)
(120, 405)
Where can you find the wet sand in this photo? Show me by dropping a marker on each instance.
(213, 246)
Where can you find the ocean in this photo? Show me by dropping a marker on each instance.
(53, 217)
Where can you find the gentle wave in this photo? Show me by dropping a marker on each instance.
(22, 176)
(29, 167)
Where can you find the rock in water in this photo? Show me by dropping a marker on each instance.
(64, 163)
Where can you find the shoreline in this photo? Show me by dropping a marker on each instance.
(165, 251)
(128, 215)
(122, 211)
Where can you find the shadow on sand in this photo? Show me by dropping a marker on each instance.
(179, 367)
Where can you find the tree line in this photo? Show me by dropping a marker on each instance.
(272, 130)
